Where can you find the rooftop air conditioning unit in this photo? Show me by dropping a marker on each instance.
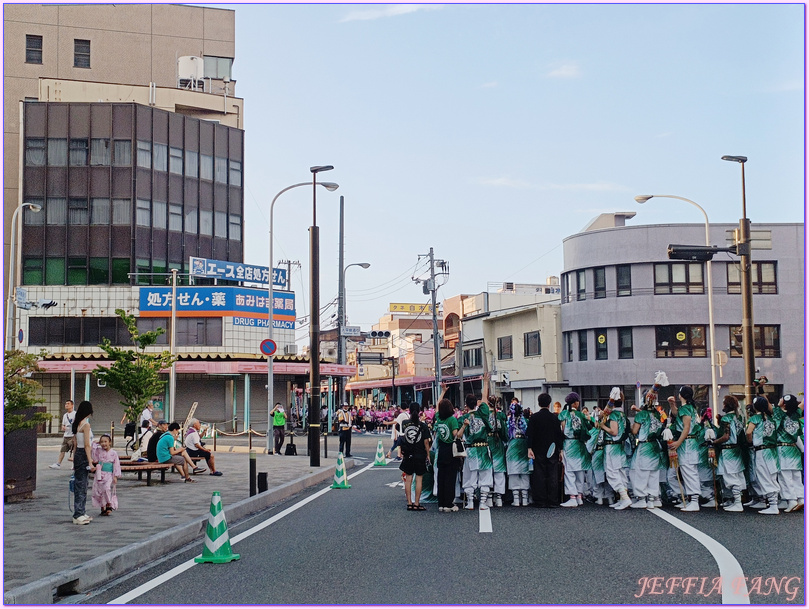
(291, 350)
(508, 287)
(190, 67)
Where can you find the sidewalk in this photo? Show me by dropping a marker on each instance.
(40, 538)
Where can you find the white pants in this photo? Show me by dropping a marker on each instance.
(734, 480)
(706, 481)
(645, 482)
(766, 476)
(476, 478)
(616, 478)
(574, 482)
(790, 482)
(499, 482)
(519, 482)
(690, 475)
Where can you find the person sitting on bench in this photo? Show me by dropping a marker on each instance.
(195, 448)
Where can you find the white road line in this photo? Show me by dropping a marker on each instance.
(181, 568)
(485, 520)
(734, 587)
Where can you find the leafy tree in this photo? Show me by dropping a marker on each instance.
(19, 391)
(134, 374)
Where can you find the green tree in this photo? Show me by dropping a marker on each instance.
(134, 374)
(19, 391)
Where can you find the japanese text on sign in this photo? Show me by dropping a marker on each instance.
(235, 271)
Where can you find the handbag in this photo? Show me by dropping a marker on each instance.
(458, 448)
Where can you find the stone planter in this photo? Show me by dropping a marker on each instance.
(20, 463)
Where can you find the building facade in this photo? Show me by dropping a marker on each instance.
(628, 311)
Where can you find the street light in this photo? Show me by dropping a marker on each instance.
(36, 208)
(341, 321)
(314, 325)
(711, 330)
(743, 249)
(330, 186)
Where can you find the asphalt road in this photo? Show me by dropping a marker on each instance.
(361, 546)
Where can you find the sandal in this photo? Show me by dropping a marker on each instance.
(190, 479)
(419, 508)
(410, 507)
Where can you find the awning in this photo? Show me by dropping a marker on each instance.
(209, 367)
(401, 381)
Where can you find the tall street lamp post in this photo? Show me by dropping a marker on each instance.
(314, 325)
(341, 322)
(711, 329)
(36, 208)
(743, 250)
(330, 186)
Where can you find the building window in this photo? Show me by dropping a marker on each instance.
(122, 153)
(120, 270)
(599, 282)
(31, 217)
(57, 152)
(205, 167)
(32, 271)
(159, 214)
(143, 212)
(121, 212)
(504, 350)
(78, 212)
(531, 344)
(221, 170)
(582, 345)
(98, 272)
(567, 288)
(205, 222)
(56, 212)
(473, 358)
(100, 153)
(33, 49)
(143, 271)
(217, 67)
(235, 227)
(35, 151)
(625, 350)
(176, 218)
(78, 152)
(76, 271)
(87, 331)
(191, 164)
(235, 173)
(191, 221)
(160, 153)
(581, 285)
(679, 278)
(150, 324)
(220, 228)
(100, 212)
(176, 160)
(623, 279)
(601, 344)
(681, 341)
(766, 341)
(205, 331)
(568, 338)
(81, 53)
(762, 275)
(54, 271)
(144, 154)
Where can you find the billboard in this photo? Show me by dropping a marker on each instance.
(235, 271)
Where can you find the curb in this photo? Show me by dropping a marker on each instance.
(102, 569)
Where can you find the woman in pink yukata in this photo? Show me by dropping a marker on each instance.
(107, 472)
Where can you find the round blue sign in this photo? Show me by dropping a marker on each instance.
(19, 335)
(268, 347)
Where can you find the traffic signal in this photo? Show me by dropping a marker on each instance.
(692, 252)
(380, 334)
(737, 345)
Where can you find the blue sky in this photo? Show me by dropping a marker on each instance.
(491, 132)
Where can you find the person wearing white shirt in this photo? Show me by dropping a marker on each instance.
(194, 448)
(68, 438)
(396, 429)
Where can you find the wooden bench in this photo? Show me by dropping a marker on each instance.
(147, 467)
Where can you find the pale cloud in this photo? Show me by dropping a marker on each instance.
(565, 70)
(505, 182)
(786, 86)
(393, 10)
(665, 134)
(489, 85)
(592, 187)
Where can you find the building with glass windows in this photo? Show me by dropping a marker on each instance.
(628, 311)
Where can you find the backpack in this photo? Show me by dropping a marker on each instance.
(411, 437)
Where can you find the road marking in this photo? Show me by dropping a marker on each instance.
(734, 587)
(485, 521)
(181, 568)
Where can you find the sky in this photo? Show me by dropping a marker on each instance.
(492, 132)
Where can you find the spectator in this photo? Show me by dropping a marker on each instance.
(151, 447)
(81, 461)
(396, 430)
(194, 446)
(107, 472)
(147, 413)
(168, 452)
(414, 447)
(143, 442)
(68, 439)
(279, 423)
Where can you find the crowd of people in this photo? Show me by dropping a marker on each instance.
(623, 457)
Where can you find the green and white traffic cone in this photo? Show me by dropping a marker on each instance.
(380, 455)
(340, 478)
(217, 543)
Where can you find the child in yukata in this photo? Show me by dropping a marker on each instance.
(107, 472)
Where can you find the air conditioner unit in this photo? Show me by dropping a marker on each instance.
(291, 350)
(508, 287)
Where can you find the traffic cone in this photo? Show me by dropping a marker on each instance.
(340, 478)
(217, 543)
(380, 455)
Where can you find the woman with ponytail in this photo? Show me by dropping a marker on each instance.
(762, 433)
(81, 461)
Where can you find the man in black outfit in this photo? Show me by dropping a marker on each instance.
(545, 438)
